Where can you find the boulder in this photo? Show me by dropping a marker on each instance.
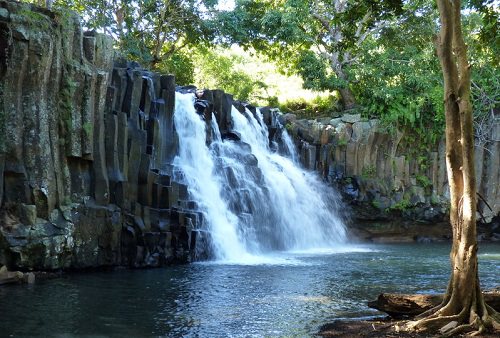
(351, 118)
(289, 118)
(360, 131)
(336, 121)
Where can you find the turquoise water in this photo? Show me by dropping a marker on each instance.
(290, 294)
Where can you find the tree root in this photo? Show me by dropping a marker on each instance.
(429, 312)
(449, 326)
(458, 330)
(493, 314)
(433, 323)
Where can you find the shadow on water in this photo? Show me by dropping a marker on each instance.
(290, 294)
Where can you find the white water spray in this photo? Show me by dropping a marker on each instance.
(254, 201)
(197, 164)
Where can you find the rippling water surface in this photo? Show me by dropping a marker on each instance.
(290, 294)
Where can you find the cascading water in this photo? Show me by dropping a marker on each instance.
(289, 147)
(304, 216)
(253, 200)
(197, 164)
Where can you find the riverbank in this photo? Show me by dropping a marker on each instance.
(398, 307)
(400, 231)
(362, 234)
(376, 328)
(366, 328)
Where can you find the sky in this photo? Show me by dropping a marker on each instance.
(226, 5)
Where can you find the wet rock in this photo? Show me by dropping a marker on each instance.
(323, 120)
(4, 14)
(201, 106)
(231, 136)
(391, 180)
(29, 278)
(360, 131)
(28, 214)
(251, 160)
(10, 277)
(289, 118)
(86, 174)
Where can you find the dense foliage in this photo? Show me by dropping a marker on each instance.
(377, 57)
(226, 69)
(152, 32)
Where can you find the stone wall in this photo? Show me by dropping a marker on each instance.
(381, 174)
(87, 139)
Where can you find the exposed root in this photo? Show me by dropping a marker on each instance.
(458, 330)
(492, 319)
(479, 332)
(454, 325)
(429, 312)
(493, 314)
(433, 323)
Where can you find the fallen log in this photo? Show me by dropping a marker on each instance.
(408, 305)
(8, 277)
(15, 277)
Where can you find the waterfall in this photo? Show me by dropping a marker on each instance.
(289, 147)
(254, 201)
(197, 164)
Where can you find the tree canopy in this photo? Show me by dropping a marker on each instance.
(149, 31)
(377, 56)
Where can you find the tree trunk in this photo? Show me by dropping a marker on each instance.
(347, 98)
(463, 308)
(346, 95)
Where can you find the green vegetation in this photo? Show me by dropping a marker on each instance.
(423, 181)
(87, 128)
(318, 106)
(68, 88)
(151, 32)
(402, 205)
(376, 56)
(369, 171)
(342, 142)
(434, 200)
(35, 20)
(228, 70)
(376, 204)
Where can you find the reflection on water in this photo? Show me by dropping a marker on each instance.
(287, 295)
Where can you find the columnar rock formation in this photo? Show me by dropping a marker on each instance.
(382, 174)
(87, 142)
(87, 139)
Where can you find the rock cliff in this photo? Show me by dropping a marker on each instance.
(384, 177)
(86, 141)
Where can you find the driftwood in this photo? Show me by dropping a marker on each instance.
(407, 306)
(15, 277)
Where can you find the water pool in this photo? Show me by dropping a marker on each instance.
(288, 294)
